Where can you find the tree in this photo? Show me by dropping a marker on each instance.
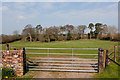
(112, 29)
(98, 28)
(81, 29)
(68, 36)
(105, 29)
(69, 29)
(28, 32)
(91, 25)
(38, 31)
(51, 33)
(62, 29)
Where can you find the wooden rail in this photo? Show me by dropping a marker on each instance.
(112, 58)
(8, 47)
(105, 57)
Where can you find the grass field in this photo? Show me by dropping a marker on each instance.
(66, 44)
(111, 71)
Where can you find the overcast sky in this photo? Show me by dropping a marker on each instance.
(16, 15)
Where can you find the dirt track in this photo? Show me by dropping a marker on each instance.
(48, 74)
(52, 74)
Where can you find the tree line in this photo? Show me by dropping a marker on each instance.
(66, 32)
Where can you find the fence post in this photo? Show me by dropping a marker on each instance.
(100, 60)
(115, 51)
(104, 58)
(7, 46)
(24, 61)
(106, 61)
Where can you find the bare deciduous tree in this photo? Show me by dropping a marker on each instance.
(28, 32)
(81, 30)
(112, 29)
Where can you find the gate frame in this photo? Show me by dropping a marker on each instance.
(66, 53)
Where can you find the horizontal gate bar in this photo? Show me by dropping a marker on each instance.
(62, 67)
(66, 70)
(65, 48)
(67, 64)
(61, 58)
(62, 53)
(62, 61)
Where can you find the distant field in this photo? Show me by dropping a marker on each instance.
(67, 44)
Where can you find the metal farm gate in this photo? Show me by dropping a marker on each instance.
(62, 59)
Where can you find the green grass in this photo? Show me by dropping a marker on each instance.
(66, 44)
(112, 71)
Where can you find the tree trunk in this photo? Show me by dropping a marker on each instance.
(97, 36)
(30, 37)
(90, 35)
(25, 39)
(81, 36)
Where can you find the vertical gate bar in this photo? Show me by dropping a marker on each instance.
(48, 57)
(98, 59)
(72, 57)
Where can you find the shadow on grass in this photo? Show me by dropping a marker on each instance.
(31, 65)
(94, 67)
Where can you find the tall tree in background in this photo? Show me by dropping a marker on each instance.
(69, 29)
(98, 28)
(112, 29)
(28, 32)
(51, 34)
(38, 31)
(81, 30)
(62, 29)
(91, 26)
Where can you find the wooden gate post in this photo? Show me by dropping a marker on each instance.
(7, 46)
(100, 60)
(104, 58)
(24, 61)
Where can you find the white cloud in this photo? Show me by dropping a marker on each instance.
(21, 17)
